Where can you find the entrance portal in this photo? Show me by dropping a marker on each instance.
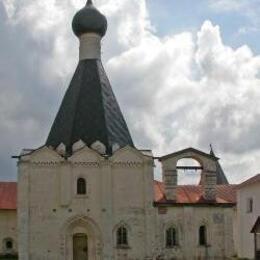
(80, 247)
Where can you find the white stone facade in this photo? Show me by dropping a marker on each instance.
(119, 193)
(187, 221)
(246, 217)
(8, 232)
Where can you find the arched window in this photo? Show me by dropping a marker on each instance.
(121, 236)
(8, 244)
(171, 237)
(81, 186)
(202, 236)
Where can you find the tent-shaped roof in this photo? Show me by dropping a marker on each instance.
(89, 111)
(221, 177)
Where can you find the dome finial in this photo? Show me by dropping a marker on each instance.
(89, 20)
(89, 2)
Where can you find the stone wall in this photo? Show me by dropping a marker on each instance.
(187, 220)
(8, 231)
(246, 219)
(119, 193)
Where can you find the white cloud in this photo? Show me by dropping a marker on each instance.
(9, 7)
(176, 91)
(246, 9)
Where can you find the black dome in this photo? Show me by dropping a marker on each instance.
(89, 19)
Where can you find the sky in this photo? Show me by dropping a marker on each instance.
(186, 74)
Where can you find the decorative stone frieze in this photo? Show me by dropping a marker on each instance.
(87, 164)
(127, 164)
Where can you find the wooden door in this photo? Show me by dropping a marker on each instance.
(80, 247)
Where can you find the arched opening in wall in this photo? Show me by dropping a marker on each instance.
(81, 186)
(122, 237)
(80, 247)
(171, 237)
(8, 246)
(188, 171)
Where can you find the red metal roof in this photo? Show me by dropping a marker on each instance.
(250, 181)
(8, 195)
(192, 194)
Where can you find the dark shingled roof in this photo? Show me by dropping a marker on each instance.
(256, 227)
(89, 111)
(221, 177)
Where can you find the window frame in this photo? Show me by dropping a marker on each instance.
(122, 237)
(7, 248)
(81, 186)
(249, 205)
(203, 240)
(171, 234)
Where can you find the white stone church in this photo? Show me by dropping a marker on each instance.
(89, 194)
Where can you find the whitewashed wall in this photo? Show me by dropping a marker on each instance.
(245, 221)
(8, 229)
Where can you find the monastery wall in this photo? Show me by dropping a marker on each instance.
(8, 231)
(187, 221)
(50, 212)
(247, 218)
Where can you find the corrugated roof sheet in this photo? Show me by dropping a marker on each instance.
(8, 195)
(193, 194)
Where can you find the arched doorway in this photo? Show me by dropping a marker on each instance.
(80, 247)
(80, 239)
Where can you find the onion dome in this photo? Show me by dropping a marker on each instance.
(89, 20)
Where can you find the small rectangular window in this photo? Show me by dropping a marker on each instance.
(81, 186)
(249, 205)
(202, 236)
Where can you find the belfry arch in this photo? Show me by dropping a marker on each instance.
(80, 239)
(207, 166)
(188, 171)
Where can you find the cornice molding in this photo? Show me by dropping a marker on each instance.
(127, 164)
(100, 164)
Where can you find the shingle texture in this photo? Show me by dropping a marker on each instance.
(221, 177)
(89, 111)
